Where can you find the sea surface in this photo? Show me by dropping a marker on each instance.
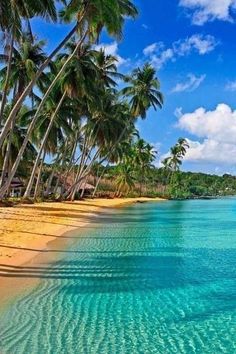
(147, 278)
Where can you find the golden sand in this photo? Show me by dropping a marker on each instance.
(27, 229)
(27, 232)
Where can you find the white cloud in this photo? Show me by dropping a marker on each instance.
(165, 56)
(217, 129)
(219, 124)
(231, 86)
(112, 49)
(200, 43)
(145, 26)
(159, 54)
(191, 84)
(150, 49)
(211, 151)
(209, 10)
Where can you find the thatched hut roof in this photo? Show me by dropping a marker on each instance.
(87, 186)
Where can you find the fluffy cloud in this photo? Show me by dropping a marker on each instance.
(191, 84)
(200, 43)
(159, 54)
(209, 10)
(211, 151)
(219, 124)
(218, 132)
(112, 49)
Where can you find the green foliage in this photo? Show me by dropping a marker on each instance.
(186, 185)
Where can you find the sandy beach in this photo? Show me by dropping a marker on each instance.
(29, 232)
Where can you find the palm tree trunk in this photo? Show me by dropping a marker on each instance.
(6, 85)
(56, 185)
(33, 122)
(80, 177)
(49, 183)
(83, 190)
(70, 166)
(29, 87)
(97, 183)
(42, 147)
(5, 167)
(39, 177)
(31, 84)
(114, 145)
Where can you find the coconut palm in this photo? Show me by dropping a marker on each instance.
(98, 18)
(143, 91)
(91, 17)
(26, 59)
(125, 180)
(12, 145)
(11, 16)
(144, 155)
(107, 69)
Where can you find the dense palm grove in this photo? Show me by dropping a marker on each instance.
(136, 176)
(66, 106)
(73, 107)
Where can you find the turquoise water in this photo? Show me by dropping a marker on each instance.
(150, 278)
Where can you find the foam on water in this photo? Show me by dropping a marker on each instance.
(151, 278)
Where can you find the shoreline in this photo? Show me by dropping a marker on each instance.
(30, 235)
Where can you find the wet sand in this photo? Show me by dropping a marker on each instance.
(31, 235)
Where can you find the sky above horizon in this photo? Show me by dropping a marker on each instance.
(191, 43)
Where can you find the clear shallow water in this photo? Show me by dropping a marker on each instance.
(152, 278)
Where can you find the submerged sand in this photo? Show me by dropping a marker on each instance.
(27, 232)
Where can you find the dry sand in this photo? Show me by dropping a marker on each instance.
(27, 232)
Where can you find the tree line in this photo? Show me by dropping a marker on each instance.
(68, 104)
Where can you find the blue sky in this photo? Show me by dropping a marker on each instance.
(191, 43)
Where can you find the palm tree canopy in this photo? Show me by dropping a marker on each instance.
(143, 91)
(99, 14)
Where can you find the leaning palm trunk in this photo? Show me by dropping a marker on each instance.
(42, 147)
(49, 183)
(84, 160)
(84, 187)
(80, 177)
(41, 69)
(6, 85)
(69, 167)
(34, 120)
(80, 168)
(31, 84)
(6, 162)
(39, 177)
(71, 192)
(98, 182)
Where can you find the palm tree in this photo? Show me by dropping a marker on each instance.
(174, 161)
(144, 91)
(11, 147)
(11, 15)
(125, 179)
(107, 68)
(177, 152)
(26, 58)
(144, 155)
(95, 21)
(91, 17)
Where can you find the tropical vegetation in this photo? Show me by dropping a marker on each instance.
(68, 118)
(67, 106)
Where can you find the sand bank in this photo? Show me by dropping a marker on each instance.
(27, 231)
